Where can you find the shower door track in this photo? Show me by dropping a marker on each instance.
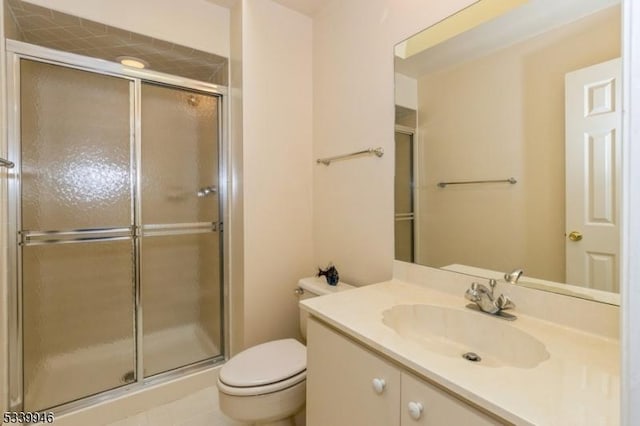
(16, 51)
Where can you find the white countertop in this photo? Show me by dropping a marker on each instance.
(578, 385)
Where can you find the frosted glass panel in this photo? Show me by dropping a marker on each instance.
(404, 240)
(404, 197)
(179, 155)
(404, 173)
(78, 320)
(181, 299)
(75, 133)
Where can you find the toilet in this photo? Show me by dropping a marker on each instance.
(266, 384)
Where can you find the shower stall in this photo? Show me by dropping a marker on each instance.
(116, 207)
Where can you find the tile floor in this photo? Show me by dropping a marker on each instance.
(198, 409)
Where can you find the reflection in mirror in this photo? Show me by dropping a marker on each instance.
(508, 145)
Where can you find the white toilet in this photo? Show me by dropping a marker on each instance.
(265, 384)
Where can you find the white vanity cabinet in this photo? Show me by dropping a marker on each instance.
(340, 382)
(424, 404)
(349, 385)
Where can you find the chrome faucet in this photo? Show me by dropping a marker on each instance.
(513, 276)
(485, 301)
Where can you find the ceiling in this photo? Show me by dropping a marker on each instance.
(533, 18)
(306, 7)
(56, 30)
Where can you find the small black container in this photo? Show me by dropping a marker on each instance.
(330, 274)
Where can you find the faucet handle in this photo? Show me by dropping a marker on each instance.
(513, 276)
(472, 293)
(503, 302)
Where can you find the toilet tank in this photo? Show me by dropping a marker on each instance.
(313, 287)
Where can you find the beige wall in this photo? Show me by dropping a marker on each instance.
(406, 91)
(492, 118)
(276, 55)
(194, 23)
(630, 265)
(353, 101)
(235, 219)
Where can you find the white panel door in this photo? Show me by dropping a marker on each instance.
(592, 155)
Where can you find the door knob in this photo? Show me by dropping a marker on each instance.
(575, 236)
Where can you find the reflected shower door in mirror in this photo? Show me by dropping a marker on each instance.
(517, 133)
(404, 209)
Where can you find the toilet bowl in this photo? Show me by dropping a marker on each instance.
(266, 384)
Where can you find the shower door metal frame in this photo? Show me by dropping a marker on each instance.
(415, 230)
(17, 51)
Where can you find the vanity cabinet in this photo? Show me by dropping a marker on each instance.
(438, 407)
(340, 382)
(349, 385)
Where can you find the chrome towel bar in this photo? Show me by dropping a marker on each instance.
(511, 180)
(378, 152)
(6, 163)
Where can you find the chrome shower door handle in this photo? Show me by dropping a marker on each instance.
(6, 163)
(207, 190)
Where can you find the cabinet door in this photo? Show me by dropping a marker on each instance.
(439, 408)
(340, 382)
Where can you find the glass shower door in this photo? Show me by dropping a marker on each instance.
(404, 214)
(180, 244)
(75, 234)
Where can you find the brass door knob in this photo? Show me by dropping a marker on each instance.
(575, 236)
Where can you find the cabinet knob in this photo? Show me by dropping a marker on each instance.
(378, 385)
(415, 410)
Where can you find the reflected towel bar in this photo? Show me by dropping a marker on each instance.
(6, 163)
(378, 152)
(511, 180)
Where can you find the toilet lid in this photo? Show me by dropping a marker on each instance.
(265, 364)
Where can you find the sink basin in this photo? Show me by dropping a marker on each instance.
(454, 332)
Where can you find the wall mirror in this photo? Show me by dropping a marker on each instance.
(508, 118)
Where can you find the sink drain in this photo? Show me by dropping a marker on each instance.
(472, 356)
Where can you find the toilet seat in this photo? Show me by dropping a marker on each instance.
(265, 368)
(262, 390)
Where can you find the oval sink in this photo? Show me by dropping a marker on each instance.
(454, 332)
